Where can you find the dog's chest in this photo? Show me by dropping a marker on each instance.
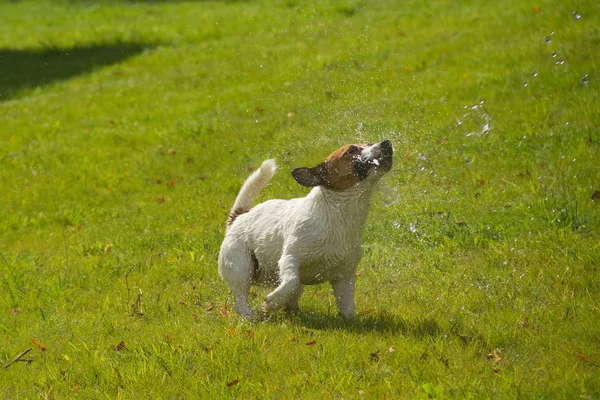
(326, 243)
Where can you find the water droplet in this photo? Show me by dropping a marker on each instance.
(476, 121)
(396, 224)
(576, 15)
(525, 84)
(412, 227)
(585, 79)
(567, 123)
(554, 54)
(467, 160)
(481, 100)
(547, 39)
(534, 74)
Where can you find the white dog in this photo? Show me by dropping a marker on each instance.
(304, 241)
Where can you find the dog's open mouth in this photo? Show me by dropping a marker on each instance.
(380, 155)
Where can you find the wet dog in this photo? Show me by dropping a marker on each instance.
(303, 241)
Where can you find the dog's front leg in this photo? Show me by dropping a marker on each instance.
(343, 289)
(289, 285)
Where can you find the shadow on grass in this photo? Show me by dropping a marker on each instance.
(22, 70)
(381, 322)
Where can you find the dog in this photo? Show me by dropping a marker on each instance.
(303, 241)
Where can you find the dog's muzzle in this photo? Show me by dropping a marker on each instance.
(379, 156)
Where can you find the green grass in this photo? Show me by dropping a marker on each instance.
(127, 128)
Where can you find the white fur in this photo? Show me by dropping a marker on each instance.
(303, 241)
(254, 185)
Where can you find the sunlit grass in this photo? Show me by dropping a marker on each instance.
(127, 128)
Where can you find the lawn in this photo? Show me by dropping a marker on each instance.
(127, 128)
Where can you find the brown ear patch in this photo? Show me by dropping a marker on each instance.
(340, 169)
(338, 172)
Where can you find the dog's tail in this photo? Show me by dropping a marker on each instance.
(251, 189)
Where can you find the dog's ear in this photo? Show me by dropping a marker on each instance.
(309, 177)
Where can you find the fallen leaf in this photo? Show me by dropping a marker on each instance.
(230, 331)
(537, 9)
(210, 307)
(233, 383)
(586, 358)
(172, 151)
(172, 183)
(249, 332)
(495, 356)
(391, 349)
(38, 344)
(292, 340)
(161, 199)
(596, 196)
(168, 337)
(482, 182)
(223, 311)
(120, 346)
(374, 357)
(107, 247)
(311, 343)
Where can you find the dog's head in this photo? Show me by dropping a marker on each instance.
(348, 166)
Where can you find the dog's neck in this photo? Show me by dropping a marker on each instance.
(348, 207)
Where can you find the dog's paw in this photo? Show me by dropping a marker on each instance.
(249, 317)
(267, 306)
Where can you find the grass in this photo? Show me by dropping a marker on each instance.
(128, 127)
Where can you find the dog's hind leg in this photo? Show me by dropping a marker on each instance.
(236, 268)
(288, 287)
(343, 289)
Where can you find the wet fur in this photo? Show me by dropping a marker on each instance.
(303, 241)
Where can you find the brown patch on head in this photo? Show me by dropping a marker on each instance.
(339, 171)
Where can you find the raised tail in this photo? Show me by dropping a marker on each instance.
(251, 189)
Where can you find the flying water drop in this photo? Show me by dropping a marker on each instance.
(585, 79)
